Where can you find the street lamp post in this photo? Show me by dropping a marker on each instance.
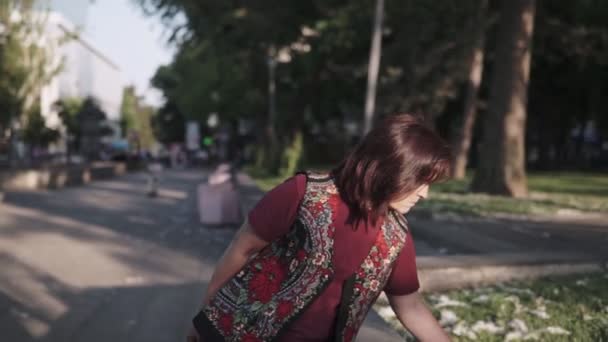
(374, 66)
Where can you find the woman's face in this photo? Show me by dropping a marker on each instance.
(404, 204)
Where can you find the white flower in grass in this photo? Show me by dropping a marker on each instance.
(445, 301)
(462, 329)
(513, 335)
(481, 299)
(518, 325)
(557, 331)
(582, 282)
(587, 317)
(433, 298)
(448, 317)
(489, 327)
(512, 299)
(515, 300)
(535, 335)
(518, 291)
(540, 312)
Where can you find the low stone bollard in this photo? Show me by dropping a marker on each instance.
(218, 199)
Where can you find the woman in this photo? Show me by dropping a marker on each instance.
(317, 250)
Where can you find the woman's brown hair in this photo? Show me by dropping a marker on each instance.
(396, 157)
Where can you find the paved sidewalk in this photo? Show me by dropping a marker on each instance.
(104, 262)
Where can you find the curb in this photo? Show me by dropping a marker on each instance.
(61, 176)
(461, 271)
(559, 217)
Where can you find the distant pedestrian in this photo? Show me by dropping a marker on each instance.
(154, 169)
(317, 251)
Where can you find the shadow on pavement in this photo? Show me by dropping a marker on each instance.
(104, 262)
(39, 307)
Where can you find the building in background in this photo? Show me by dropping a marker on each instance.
(86, 71)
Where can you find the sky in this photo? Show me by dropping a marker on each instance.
(134, 42)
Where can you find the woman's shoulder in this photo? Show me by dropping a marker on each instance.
(294, 186)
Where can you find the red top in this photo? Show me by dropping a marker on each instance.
(274, 215)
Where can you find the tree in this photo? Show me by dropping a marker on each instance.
(137, 119)
(426, 55)
(92, 121)
(36, 133)
(27, 60)
(67, 110)
(168, 124)
(222, 65)
(463, 144)
(501, 167)
(128, 110)
(569, 74)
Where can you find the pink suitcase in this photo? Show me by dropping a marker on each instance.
(219, 204)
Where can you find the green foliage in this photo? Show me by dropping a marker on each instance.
(136, 119)
(292, 156)
(128, 109)
(36, 133)
(92, 123)
(25, 65)
(550, 192)
(322, 49)
(223, 51)
(262, 178)
(569, 74)
(67, 110)
(168, 124)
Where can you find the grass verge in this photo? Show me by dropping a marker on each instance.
(550, 193)
(572, 308)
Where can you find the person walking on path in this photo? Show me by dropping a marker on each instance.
(316, 252)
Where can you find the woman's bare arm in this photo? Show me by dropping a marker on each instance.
(244, 245)
(413, 313)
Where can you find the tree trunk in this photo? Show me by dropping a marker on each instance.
(463, 144)
(501, 167)
(268, 154)
(374, 66)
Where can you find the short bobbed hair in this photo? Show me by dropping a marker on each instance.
(394, 159)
